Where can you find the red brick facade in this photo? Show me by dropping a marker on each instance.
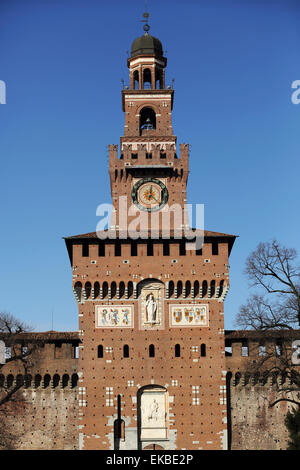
(151, 322)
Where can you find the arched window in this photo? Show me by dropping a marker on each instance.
(78, 289)
(237, 378)
(37, 380)
(171, 289)
(88, 289)
(158, 80)
(187, 288)
(47, 380)
(65, 380)
(136, 80)
(147, 119)
(100, 351)
(113, 289)
(204, 288)
(125, 350)
(221, 288)
(96, 290)
(147, 79)
(203, 350)
(56, 379)
(121, 289)
(130, 289)
(179, 288)
(105, 289)
(177, 350)
(151, 350)
(74, 380)
(9, 380)
(20, 380)
(27, 380)
(196, 288)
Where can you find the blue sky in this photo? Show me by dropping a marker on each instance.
(63, 60)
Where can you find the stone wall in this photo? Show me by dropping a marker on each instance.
(45, 419)
(254, 425)
(44, 412)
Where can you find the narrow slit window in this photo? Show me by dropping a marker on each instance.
(151, 350)
(100, 351)
(126, 350)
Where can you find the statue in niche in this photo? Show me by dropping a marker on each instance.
(153, 412)
(151, 308)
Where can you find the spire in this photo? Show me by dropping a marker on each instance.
(146, 15)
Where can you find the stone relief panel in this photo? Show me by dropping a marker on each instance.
(114, 316)
(154, 414)
(151, 305)
(189, 315)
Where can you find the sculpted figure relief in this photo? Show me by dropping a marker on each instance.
(153, 411)
(151, 308)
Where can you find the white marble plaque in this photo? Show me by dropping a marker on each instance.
(188, 315)
(154, 414)
(114, 316)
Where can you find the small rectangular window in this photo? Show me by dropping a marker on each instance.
(199, 252)
(182, 250)
(75, 351)
(8, 352)
(148, 156)
(215, 248)
(57, 349)
(133, 248)
(134, 156)
(262, 350)
(85, 249)
(101, 249)
(278, 348)
(163, 155)
(117, 249)
(166, 249)
(150, 249)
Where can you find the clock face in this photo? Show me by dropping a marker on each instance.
(149, 194)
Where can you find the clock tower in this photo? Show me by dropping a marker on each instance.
(151, 362)
(148, 175)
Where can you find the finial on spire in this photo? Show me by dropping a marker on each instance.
(146, 15)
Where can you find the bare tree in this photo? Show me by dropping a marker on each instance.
(272, 269)
(11, 397)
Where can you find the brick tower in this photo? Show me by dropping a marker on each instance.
(151, 322)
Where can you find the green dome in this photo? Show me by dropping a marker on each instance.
(145, 45)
